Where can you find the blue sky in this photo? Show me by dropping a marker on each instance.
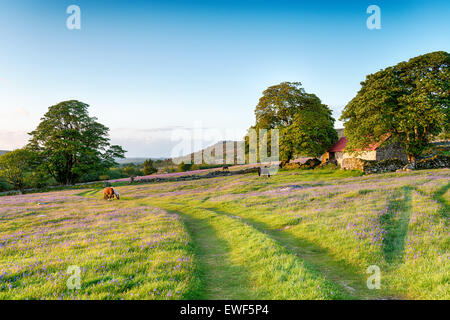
(147, 67)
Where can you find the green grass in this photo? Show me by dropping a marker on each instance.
(123, 252)
(240, 262)
(301, 234)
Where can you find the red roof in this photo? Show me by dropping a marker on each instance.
(340, 145)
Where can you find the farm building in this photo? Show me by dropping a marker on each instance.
(381, 150)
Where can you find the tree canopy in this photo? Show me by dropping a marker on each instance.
(409, 100)
(310, 134)
(70, 143)
(149, 167)
(15, 165)
(306, 124)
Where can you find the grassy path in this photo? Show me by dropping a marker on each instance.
(220, 277)
(237, 261)
(396, 223)
(231, 244)
(439, 196)
(341, 274)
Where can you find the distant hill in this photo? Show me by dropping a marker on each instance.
(2, 152)
(135, 160)
(131, 160)
(209, 152)
(220, 146)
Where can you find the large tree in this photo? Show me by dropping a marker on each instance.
(310, 134)
(306, 124)
(409, 100)
(71, 144)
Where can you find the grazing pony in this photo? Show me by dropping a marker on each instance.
(225, 168)
(263, 172)
(109, 194)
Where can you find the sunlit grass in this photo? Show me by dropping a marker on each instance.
(301, 234)
(122, 252)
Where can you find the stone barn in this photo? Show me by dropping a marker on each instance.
(381, 150)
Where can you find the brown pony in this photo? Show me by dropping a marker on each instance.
(109, 194)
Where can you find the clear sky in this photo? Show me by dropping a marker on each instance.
(146, 67)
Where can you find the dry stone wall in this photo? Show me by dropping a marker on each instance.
(435, 162)
(372, 166)
(391, 151)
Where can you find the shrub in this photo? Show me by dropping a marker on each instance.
(327, 165)
(131, 171)
(38, 179)
(291, 166)
(310, 163)
(182, 167)
(116, 173)
(5, 186)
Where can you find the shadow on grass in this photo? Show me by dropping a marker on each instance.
(395, 222)
(89, 193)
(439, 196)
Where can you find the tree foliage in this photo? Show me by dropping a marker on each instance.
(182, 167)
(306, 124)
(131, 171)
(15, 167)
(409, 100)
(149, 167)
(71, 144)
(310, 134)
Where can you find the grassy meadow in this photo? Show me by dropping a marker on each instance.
(301, 234)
